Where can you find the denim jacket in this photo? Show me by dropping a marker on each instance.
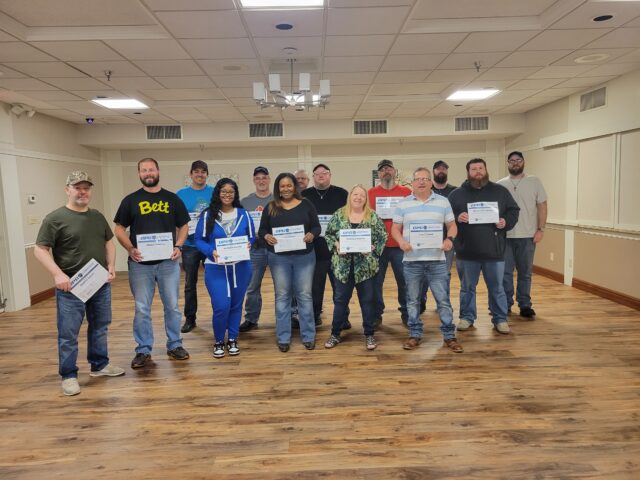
(365, 266)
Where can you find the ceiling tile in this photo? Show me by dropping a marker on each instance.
(401, 77)
(21, 52)
(355, 21)
(134, 83)
(612, 52)
(231, 66)
(184, 94)
(186, 82)
(149, 49)
(563, 92)
(203, 24)
(480, 9)
(515, 73)
(91, 94)
(619, 38)
(46, 69)
(305, 22)
(25, 84)
(494, 41)
(408, 88)
(169, 68)
(535, 84)
(352, 64)
(356, 45)
(52, 95)
(222, 48)
(584, 82)
(468, 60)
(350, 78)
(561, 72)
(223, 81)
(348, 99)
(427, 43)
(462, 75)
(5, 37)
(582, 17)
(75, 83)
(349, 89)
(159, 5)
(6, 72)
(632, 57)
(445, 109)
(479, 84)
(562, 39)
(118, 69)
(241, 92)
(78, 50)
(533, 58)
(272, 47)
(413, 62)
(611, 69)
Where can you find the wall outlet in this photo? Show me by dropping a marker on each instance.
(33, 219)
(551, 256)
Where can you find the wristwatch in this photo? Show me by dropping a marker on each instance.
(179, 247)
(451, 239)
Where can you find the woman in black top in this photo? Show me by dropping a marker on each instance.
(288, 225)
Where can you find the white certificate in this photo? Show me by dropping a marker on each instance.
(324, 221)
(483, 212)
(289, 238)
(425, 235)
(88, 280)
(232, 249)
(385, 206)
(256, 217)
(155, 246)
(193, 222)
(355, 240)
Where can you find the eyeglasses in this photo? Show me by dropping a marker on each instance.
(227, 193)
(321, 172)
(515, 160)
(422, 180)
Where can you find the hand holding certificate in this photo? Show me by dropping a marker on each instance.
(355, 240)
(88, 280)
(385, 206)
(155, 246)
(483, 212)
(289, 238)
(425, 235)
(324, 221)
(232, 249)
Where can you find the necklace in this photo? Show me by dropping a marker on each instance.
(325, 192)
(515, 185)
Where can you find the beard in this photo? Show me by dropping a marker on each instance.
(150, 181)
(441, 177)
(516, 169)
(478, 182)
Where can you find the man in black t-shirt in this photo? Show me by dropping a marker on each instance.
(158, 225)
(327, 199)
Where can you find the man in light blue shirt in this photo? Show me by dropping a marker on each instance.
(196, 198)
(417, 227)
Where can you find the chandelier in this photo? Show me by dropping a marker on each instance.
(301, 99)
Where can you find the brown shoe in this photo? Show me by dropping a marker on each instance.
(411, 343)
(453, 345)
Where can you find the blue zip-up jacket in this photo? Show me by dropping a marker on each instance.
(207, 244)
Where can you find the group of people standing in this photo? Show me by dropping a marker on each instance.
(304, 234)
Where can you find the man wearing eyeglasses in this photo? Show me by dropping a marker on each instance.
(326, 198)
(417, 227)
(529, 194)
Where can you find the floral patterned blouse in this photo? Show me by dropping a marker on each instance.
(365, 266)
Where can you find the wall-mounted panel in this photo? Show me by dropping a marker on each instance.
(596, 175)
(550, 166)
(629, 213)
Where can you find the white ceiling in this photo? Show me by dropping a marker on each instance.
(194, 61)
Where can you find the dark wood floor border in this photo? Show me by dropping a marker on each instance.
(42, 296)
(545, 272)
(612, 295)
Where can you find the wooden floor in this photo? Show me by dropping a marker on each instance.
(559, 398)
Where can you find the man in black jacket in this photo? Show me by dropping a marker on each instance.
(484, 212)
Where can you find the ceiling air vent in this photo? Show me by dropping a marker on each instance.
(164, 132)
(466, 124)
(265, 130)
(594, 99)
(369, 127)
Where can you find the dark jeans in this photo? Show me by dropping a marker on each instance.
(342, 295)
(323, 268)
(519, 255)
(394, 256)
(191, 261)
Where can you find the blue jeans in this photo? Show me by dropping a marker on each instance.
(253, 300)
(394, 256)
(293, 275)
(469, 274)
(70, 312)
(342, 295)
(192, 258)
(519, 255)
(142, 281)
(448, 257)
(419, 276)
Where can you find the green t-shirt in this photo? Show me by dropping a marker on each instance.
(75, 238)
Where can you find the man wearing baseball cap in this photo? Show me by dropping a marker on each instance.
(76, 235)
(196, 197)
(383, 198)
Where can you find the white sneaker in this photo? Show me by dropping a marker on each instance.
(108, 371)
(464, 325)
(70, 386)
(503, 328)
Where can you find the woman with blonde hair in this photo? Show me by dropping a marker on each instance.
(354, 270)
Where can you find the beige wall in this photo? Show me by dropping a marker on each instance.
(550, 252)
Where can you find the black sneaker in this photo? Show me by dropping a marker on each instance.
(247, 326)
(527, 312)
(283, 347)
(140, 360)
(318, 321)
(189, 324)
(232, 347)
(295, 324)
(309, 345)
(346, 325)
(218, 350)
(178, 353)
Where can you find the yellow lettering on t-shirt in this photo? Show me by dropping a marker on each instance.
(147, 207)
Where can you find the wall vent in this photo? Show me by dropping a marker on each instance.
(466, 124)
(594, 99)
(265, 130)
(164, 132)
(369, 127)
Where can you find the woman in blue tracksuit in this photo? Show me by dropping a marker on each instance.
(226, 282)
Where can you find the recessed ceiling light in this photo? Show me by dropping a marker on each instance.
(602, 18)
(473, 94)
(119, 103)
(284, 26)
(593, 58)
(289, 50)
(281, 3)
